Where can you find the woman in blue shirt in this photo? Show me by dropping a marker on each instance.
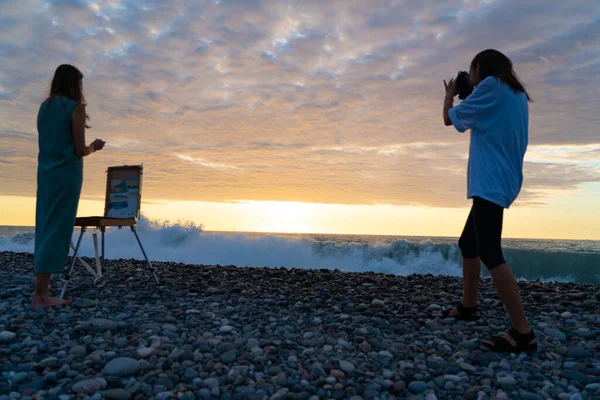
(61, 125)
(497, 114)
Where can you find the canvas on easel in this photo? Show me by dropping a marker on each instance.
(123, 192)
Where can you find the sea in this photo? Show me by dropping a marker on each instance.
(530, 259)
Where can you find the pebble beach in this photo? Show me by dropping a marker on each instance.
(209, 332)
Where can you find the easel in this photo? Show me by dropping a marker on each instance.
(123, 183)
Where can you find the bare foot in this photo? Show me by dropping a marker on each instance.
(48, 301)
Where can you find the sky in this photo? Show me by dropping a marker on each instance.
(305, 116)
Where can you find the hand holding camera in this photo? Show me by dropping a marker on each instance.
(460, 86)
(450, 88)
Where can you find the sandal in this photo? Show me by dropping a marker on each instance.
(513, 342)
(464, 313)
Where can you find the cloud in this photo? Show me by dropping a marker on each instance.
(205, 163)
(334, 102)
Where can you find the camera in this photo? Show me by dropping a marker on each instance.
(464, 87)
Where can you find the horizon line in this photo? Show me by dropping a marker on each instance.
(354, 234)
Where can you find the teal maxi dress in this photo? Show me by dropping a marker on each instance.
(59, 180)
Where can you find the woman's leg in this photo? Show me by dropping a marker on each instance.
(471, 267)
(488, 225)
(509, 292)
(471, 273)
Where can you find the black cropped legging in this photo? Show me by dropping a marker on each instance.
(482, 235)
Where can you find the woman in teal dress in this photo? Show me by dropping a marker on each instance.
(61, 124)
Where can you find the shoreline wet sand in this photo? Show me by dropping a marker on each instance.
(229, 332)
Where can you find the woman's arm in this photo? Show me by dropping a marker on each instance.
(78, 124)
(450, 89)
(476, 109)
(448, 104)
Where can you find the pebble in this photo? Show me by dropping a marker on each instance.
(346, 366)
(164, 396)
(529, 396)
(7, 336)
(507, 382)
(84, 303)
(576, 376)
(122, 366)
(472, 392)
(417, 386)
(191, 373)
(452, 378)
(399, 387)
(336, 373)
(78, 351)
(555, 333)
(229, 356)
(578, 352)
(117, 394)
(592, 386)
(144, 352)
(49, 362)
(101, 324)
(468, 367)
(89, 386)
(212, 383)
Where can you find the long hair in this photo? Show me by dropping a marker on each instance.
(493, 63)
(67, 83)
